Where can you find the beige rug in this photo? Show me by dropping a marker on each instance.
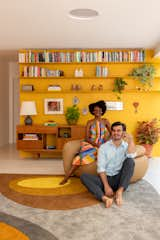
(137, 219)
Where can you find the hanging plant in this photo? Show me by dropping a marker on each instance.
(145, 74)
(119, 86)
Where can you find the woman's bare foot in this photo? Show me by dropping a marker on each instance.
(108, 201)
(118, 198)
(63, 181)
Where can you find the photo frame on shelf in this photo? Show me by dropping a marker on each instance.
(53, 106)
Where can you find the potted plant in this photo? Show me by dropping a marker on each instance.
(119, 85)
(72, 115)
(145, 74)
(147, 134)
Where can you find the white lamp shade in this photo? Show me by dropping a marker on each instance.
(28, 108)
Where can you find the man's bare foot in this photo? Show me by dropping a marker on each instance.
(108, 201)
(63, 181)
(118, 198)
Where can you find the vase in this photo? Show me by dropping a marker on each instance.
(72, 121)
(148, 148)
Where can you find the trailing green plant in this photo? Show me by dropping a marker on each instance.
(119, 86)
(148, 132)
(72, 114)
(145, 74)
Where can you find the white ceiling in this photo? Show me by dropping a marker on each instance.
(46, 24)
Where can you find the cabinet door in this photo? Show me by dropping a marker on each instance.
(78, 132)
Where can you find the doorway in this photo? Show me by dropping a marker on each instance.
(13, 100)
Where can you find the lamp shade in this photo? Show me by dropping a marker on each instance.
(28, 108)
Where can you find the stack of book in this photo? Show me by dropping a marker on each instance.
(54, 88)
(50, 147)
(50, 123)
(30, 136)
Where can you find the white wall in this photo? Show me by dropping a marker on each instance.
(5, 58)
(4, 103)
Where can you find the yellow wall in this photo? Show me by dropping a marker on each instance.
(148, 100)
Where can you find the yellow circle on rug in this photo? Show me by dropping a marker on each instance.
(42, 182)
(47, 185)
(8, 232)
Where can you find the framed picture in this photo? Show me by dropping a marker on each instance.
(53, 106)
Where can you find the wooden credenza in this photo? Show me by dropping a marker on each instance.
(60, 133)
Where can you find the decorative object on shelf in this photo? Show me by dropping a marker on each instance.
(100, 87)
(75, 100)
(119, 86)
(53, 106)
(93, 87)
(84, 111)
(54, 88)
(147, 134)
(78, 72)
(114, 105)
(73, 87)
(145, 74)
(72, 115)
(27, 88)
(28, 108)
(135, 105)
(76, 87)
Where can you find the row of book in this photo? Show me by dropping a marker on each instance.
(82, 56)
(35, 71)
(30, 136)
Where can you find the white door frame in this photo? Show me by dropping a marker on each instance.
(13, 100)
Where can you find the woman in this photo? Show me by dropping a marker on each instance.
(97, 132)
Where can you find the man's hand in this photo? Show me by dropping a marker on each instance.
(127, 137)
(108, 191)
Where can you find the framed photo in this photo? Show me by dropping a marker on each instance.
(53, 106)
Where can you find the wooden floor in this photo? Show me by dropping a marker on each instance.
(10, 162)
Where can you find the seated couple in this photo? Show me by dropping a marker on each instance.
(115, 164)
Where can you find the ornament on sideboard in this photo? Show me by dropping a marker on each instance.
(135, 105)
(28, 108)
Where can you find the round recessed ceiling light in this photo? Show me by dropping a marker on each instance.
(83, 13)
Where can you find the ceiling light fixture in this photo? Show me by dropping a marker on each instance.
(83, 13)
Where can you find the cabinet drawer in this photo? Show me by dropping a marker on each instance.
(29, 144)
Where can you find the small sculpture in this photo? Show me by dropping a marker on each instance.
(135, 105)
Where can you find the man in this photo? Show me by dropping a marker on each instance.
(115, 166)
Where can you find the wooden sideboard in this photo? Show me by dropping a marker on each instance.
(34, 138)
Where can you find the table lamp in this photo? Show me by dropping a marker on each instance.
(28, 108)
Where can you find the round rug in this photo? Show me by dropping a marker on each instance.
(45, 191)
(14, 228)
